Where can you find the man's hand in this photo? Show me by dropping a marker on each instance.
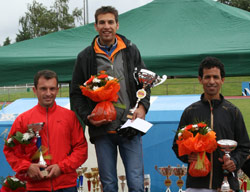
(192, 157)
(140, 112)
(97, 123)
(228, 164)
(34, 171)
(54, 171)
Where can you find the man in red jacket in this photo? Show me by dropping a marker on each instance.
(62, 137)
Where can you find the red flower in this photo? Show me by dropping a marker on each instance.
(201, 125)
(188, 127)
(102, 76)
(90, 80)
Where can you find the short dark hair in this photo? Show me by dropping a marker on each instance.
(47, 74)
(210, 62)
(104, 10)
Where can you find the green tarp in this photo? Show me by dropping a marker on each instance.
(172, 35)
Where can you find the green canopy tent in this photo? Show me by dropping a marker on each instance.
(173, 37)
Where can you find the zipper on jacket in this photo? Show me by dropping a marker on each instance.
(47, 127)
(212, 127)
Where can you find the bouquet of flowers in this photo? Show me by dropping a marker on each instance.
(23, 144)
(13, 184)
(197, 138)
(103, 89)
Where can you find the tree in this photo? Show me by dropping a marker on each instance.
(39, 20)
(7, 41)
(242, 4)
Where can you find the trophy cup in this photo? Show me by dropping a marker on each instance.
(123, 179)
(148, 79)
(80, 171)
(226, 145)
(166, 171)
(180, 172)
(36, 127)
(95, 180)
(89, 175)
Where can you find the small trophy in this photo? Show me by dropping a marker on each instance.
(95, 180)
(226, 145)
(147, 182)
(166, 171)
(123, 179)
(36, 127)
(148, 79)
(180, 172)
(80, 171)
(89, 175)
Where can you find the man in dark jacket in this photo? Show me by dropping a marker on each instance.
(222, 117)
(117, 56)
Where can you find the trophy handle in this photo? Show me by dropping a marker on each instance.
(134, 74)
(156, 168)
(164, 78)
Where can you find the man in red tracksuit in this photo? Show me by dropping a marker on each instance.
(62, 136)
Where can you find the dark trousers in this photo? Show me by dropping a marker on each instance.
(70, 189)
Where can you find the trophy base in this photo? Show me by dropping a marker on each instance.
(45, 173)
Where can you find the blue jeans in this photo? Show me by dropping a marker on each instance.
(131, 155)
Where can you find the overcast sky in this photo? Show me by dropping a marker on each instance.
(12, 10)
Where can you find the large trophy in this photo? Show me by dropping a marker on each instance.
(148, 79)
(166, 171)
(226, 145)
(36, 127)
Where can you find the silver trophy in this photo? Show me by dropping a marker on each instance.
(36, 127)
(226, 145)
(148, 79)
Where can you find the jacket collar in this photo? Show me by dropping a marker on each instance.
(215, 102)
(44, 109)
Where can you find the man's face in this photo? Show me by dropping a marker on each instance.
(212, 83)
(46, 91)
(106, 26)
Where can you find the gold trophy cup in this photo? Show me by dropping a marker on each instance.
(180, 172)
(123, 179)
(167, 172)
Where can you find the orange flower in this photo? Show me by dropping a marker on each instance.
(103, 89)
(197, 138)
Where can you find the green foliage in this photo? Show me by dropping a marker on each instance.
(7, 41)
(2, 180)
(242, 4)
(39, 20)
